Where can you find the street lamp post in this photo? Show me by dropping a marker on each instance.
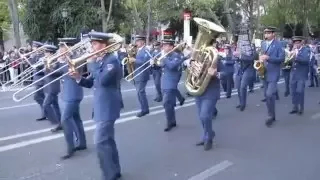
(65, 15)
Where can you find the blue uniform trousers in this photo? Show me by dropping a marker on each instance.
(286, 76)
(51, 108)
(206, 108)
(156, 73)
(242, 82)
(169, 102)
(297, 92)
(179, 96)
(72, 124)
(228, 78)
(39, 98)
(271, 94)
(313, 77)
(107, 149)
(142, 96)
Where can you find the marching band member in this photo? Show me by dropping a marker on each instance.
(72, 95)
(179, 96)
(50, 103)
(39, 94)
(169, 81)
(156, 71)
(244, 74)
(313, 67)
(106, 105)
(273, 56)
(206, 105)
(228, 67)
(141, 81)
(299, 74)
(286, 71)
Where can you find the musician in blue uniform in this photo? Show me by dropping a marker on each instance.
(286, 71)
(313, 66)
(72, 95)
(299, 74)
(171, 65)
(141, 80)
(52, 89)
(106, 104)
(156, 71)
(228, 68)
(243, 73)
(179, 50)
(206, 104)
(38, 74)
(273, 57)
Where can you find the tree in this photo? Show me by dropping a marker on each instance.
(4, 21)
(14, 14)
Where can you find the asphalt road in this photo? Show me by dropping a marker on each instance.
(244, 148)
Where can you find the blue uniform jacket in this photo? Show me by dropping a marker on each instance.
(106, 82)
(276, 58)
(71, 91)
(171, 69)
(300, 66)
(228, 63)
(141, 58)
(213, 89)
(38, 73)
(53, 88)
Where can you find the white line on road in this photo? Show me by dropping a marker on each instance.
(89, 128)
(87, 96)
(30, 133)
(212, 171)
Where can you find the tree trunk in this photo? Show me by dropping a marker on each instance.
(103, 16)
(109, 13)
(13, 9)
(1, 40)
(226, 8)
(138, 22)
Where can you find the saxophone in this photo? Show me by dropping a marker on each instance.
(259, 66)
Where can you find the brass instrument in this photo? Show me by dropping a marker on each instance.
(289, 57)
(73, 64)
(205, 56)
(259, 67)
(132, 53)
(146, 66)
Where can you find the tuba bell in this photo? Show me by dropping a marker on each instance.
(132, 53)
(205, 56)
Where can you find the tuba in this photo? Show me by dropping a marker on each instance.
(132, 53)
(205, 56)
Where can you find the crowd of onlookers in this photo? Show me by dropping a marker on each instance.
(10, 67)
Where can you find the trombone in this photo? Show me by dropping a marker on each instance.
(23, 58)
(73, 64)
(45, 62)
(144, 68)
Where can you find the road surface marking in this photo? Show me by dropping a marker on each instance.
(87, 96)
(89, 128)
(212, 171)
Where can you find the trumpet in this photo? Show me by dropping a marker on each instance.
(289, 57)
(145, 66)
(73, 64)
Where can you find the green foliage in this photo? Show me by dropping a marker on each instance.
(4, 15)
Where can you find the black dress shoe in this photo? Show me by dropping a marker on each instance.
(239, 106)
(201, 143)
(300, 112)
(118, 175)
(68, 155)
(242, 108)
(215, 114)
(270, 122)
(80, 148)
(311, 86)
(182, 101)
(251, 91)
(140, 114)
(293, 112)
(41, 119)
(169, 127)
(157, 99)
(207, 145)
(263, 100)
(228, 96)
(56, 129)
(286, 94)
